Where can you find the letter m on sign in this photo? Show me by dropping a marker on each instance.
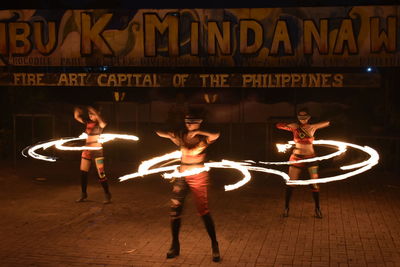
(154, 26)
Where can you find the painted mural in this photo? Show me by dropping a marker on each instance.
(244, 37)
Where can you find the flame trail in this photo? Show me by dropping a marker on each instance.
(59, 144)
(246, 166)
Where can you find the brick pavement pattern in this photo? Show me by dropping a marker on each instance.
(41, 225)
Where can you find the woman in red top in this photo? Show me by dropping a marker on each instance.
(94, 127)
(192, 142)
(303, 135)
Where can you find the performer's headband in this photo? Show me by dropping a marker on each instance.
(193, 120)
(303, 117)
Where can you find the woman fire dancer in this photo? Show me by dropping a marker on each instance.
(303, 134)
(94, 127)
(192, 142)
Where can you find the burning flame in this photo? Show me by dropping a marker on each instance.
(59, 144)
(246, 166)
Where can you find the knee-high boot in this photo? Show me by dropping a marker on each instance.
(318, 212)
(107, 194)
(288, 196)
(84, 182)
(209, 224)
(175, 247)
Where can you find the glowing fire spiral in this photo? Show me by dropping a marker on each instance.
(246, 166)
(59, 144)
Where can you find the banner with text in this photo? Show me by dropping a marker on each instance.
(194, 80)
(264, 37)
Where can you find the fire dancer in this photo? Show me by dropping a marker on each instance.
(303, 134)
(192, 142)
(94, 127)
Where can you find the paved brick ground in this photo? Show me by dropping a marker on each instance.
(41, 225)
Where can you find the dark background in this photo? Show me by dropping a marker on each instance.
(371, 114)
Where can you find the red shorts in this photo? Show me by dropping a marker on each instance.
(92, 154)
(294, 157)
